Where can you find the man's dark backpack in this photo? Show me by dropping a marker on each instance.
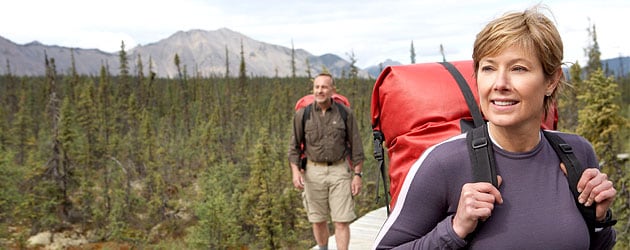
(306, 116)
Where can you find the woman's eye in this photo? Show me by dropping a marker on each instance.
(519, 69)
(486, 68)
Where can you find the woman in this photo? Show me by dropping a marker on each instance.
(517, 60)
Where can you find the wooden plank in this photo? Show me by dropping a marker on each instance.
(363, 231)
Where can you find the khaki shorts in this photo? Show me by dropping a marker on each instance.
(328, 192)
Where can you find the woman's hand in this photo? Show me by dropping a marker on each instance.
(476, 203)
(594, 187)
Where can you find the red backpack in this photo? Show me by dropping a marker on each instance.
(307, 100)
(416, 106)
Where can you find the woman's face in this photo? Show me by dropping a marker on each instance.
(512, 88)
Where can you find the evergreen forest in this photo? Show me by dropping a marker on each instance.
(200, 162)
(146, 161)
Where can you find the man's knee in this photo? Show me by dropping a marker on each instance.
(342, 225)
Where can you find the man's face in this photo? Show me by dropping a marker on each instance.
(322, 89)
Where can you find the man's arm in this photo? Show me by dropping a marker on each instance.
(294, 151)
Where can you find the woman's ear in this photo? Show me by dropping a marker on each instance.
(554, 81)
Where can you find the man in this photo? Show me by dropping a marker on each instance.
(329, 182)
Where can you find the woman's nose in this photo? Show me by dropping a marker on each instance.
(501, 80)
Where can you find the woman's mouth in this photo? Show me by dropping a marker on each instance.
(504, 103)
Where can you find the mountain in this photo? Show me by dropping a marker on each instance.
(200, 52)
(29, 59)
(375, 70)
(619, 66)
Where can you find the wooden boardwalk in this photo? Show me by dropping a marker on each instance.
(363, 231)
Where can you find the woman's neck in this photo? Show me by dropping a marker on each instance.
(520, 139)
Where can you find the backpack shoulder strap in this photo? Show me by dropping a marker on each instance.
(565, 152)
(342, 111)
(344, 116)
(468, 95)
(305, 116)
(482, 155)
(574, 172)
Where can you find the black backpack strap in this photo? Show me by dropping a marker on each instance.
(344, 117)
(342, 111)
(482, 155)
(565, 152)
(379, 156)
(468, 95)
(305, 116)
(574, 172)
(302, 140)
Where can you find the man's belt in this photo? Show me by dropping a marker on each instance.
(326, 163)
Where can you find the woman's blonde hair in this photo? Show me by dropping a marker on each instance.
(530, 30)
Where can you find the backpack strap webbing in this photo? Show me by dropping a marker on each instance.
(468, 95)
(484, 169)
(307, 115)
(574, 172)
(482, 155)
(379, 156)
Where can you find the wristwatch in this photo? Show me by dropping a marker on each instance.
(608, 221)
(360, 174)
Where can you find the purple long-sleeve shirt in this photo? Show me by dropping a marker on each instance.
(538, 210)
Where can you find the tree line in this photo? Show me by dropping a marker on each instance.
(201, 161)
(145, 160)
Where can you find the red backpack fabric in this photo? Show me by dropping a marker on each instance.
(416, 106)
(308, 99)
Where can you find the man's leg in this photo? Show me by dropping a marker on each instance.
(321, 233)
(342, 235)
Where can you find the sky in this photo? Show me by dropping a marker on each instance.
(371, 31)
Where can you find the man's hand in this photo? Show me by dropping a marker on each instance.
(356, 185)
(298, 181)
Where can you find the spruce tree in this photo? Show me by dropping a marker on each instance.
(140, 82)
(73, 80)
(568, 103)
(227, 63)
(260, 196)
(242, 73)
(592, 52)
(308, 69)
(413, 53)
(292, 60)
(601, 123)
(10, 194)
(353, 77)
(124, 86)
(87, 116)
(21, 132)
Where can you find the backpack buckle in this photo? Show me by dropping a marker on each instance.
(478, 143)
(566, 148)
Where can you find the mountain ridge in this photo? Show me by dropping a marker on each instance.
(201, 52)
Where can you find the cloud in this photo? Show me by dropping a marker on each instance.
(374, 30)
